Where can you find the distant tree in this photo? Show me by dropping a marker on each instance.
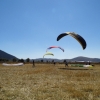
(3, 59)
(6, 60)
(19, 60)
(64, 61)
(22, 60)
(41, 61)
(14, 59)
(28, 60)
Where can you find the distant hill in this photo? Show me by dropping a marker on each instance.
(80, 58)
(4, 55)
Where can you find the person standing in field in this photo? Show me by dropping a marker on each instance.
(54, 63)
(66, 64)
(33, 63)
(89, 63)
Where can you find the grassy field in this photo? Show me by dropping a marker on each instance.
(49, 82)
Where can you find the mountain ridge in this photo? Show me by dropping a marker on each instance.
(4, 55)
(79, 58)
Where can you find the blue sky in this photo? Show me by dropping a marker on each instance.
(29, 27)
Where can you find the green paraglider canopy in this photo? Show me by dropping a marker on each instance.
(48, 53)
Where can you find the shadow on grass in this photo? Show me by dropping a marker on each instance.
(75, 68)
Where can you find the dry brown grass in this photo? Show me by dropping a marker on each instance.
(48, 82)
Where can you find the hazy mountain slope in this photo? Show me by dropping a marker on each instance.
(4, 55)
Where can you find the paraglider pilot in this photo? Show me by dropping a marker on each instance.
(89, 63)
(33, 63)
(66, 64)
(54, 63)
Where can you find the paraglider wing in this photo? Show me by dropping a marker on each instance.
(61, 35)
(61, 49)
(48, 53)
(50, 48)
(76, 36)
(79, 39)
(55, 47)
